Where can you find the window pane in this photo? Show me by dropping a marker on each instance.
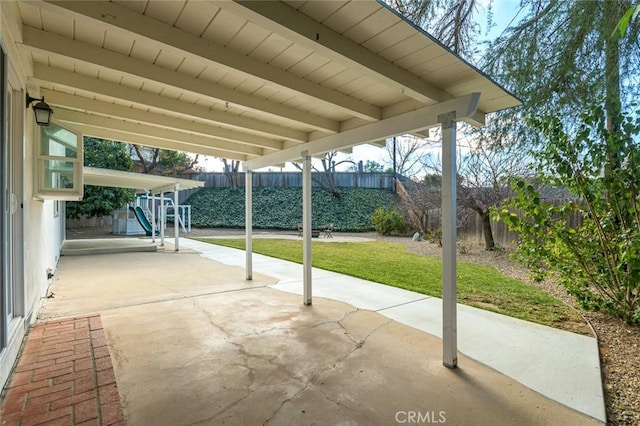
(58, 174)
(58, 142)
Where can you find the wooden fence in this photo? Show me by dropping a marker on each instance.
(470, 226)
(293, 179)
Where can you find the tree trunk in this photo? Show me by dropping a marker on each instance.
(612, 12)
(489, 243)
(231, 172)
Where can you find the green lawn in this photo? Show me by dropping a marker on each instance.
(389, 263)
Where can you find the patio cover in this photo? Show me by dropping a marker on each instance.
(263, 82)
(120, 179)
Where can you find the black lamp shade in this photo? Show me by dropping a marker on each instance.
(43, 113)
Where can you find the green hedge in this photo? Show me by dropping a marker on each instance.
(281, 208)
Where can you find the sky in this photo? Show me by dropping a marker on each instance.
(505, 13)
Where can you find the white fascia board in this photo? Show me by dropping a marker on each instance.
(183, 43)
(147, 99)
(420, 119)
(119, 111)
(296, 26)
(68, 48)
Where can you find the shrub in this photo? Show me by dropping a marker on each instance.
(599, 261)
(388, 221)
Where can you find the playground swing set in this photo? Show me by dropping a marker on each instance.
(139, 216)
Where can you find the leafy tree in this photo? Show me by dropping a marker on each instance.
(628, 18)
(368, 167)
(373, 167)
(557, 59)
(599, 262)
(100, 200)
(165, 162)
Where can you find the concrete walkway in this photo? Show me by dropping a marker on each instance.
(560, 365)
(192, 342)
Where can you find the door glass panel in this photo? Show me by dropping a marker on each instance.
(9, 290)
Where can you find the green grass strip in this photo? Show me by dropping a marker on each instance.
(389, 263)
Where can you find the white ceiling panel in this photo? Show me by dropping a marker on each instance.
(270, 48)
(326, 72)
(309, 65)
(371, 26)
(89, 32)
(224, 27)
(290, 56)
(117, 41)
(31, 15)
(248, 38)
(349, 15)
(169, 60)
(165, 11)
(321, 11)
(62, 25)
(145, 50)
(389, 37)
(191, 67)
(196, 17)
(136, 5)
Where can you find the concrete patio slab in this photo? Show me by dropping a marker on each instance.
(124, 279)
(561, 365)
(193, 342)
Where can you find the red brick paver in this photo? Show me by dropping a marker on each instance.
(64, 376)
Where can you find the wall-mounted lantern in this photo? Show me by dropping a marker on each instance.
(41, 110)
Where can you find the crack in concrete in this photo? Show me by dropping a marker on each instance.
(283, 402)
(312, 380)
(353, 410)
(358, 345)
(246, 356)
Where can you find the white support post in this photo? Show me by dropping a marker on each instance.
(153, 217)
(248, 206)
(176, 217)
(449, 315)
(306, 227)
(162, 219)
